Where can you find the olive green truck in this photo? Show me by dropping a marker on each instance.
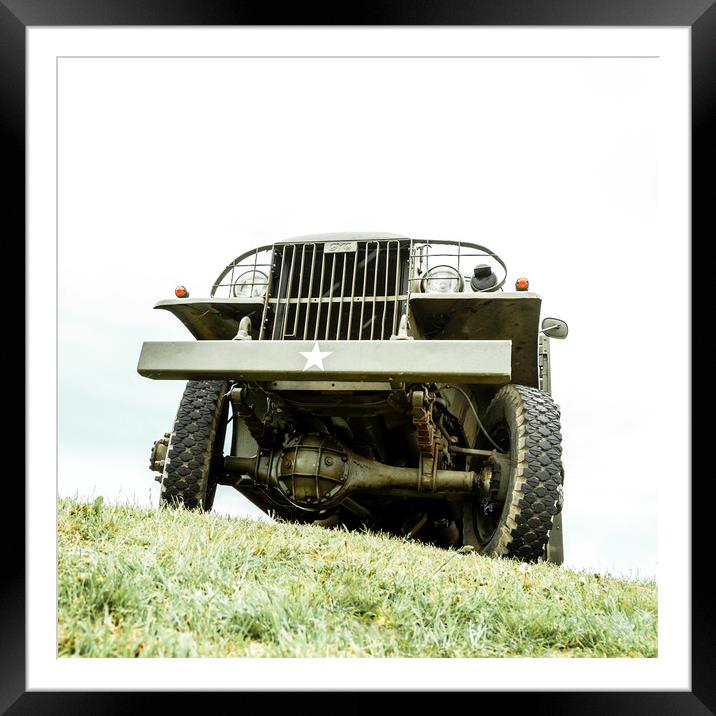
(374, 381)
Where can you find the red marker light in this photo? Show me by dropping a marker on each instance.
(522, 284)
(181, 292)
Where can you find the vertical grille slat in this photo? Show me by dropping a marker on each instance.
(339, 332)
(289, 286)
(396, 316)
(297, 312)
(317, 293)
(375, 292)
(279, 257)
(365, 285)
(384, 307)
(330, 294)
(320, 294)
(310, 293)
(353, 293)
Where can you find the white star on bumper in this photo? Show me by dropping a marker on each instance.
(315, 357)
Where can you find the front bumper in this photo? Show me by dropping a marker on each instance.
(361, 361)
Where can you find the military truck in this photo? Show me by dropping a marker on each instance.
(369, 381)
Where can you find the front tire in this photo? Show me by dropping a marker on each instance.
(524, 422)
(196, 446)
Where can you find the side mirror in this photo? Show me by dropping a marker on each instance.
(555, 328)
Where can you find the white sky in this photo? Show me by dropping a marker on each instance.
(169, 168)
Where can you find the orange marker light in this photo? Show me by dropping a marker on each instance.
(522, 284)
(181, 292)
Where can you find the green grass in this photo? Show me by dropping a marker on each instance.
(173, 583)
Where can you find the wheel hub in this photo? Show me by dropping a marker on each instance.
(493, 479)
(158, 456)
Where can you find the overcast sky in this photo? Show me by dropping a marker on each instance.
(169, 168)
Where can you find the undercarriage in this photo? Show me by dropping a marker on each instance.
(398, 461)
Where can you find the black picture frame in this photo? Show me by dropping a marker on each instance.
(700, 15)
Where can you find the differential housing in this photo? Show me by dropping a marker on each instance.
(313, 471)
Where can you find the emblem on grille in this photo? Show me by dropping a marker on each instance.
(340, 247)
(315, 357)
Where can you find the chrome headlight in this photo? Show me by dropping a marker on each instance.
(250, 284)
(442, 279)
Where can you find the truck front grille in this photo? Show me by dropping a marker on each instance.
(353, 290)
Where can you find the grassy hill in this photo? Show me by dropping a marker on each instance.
(139, 582)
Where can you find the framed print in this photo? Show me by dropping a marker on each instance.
(547, 156)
